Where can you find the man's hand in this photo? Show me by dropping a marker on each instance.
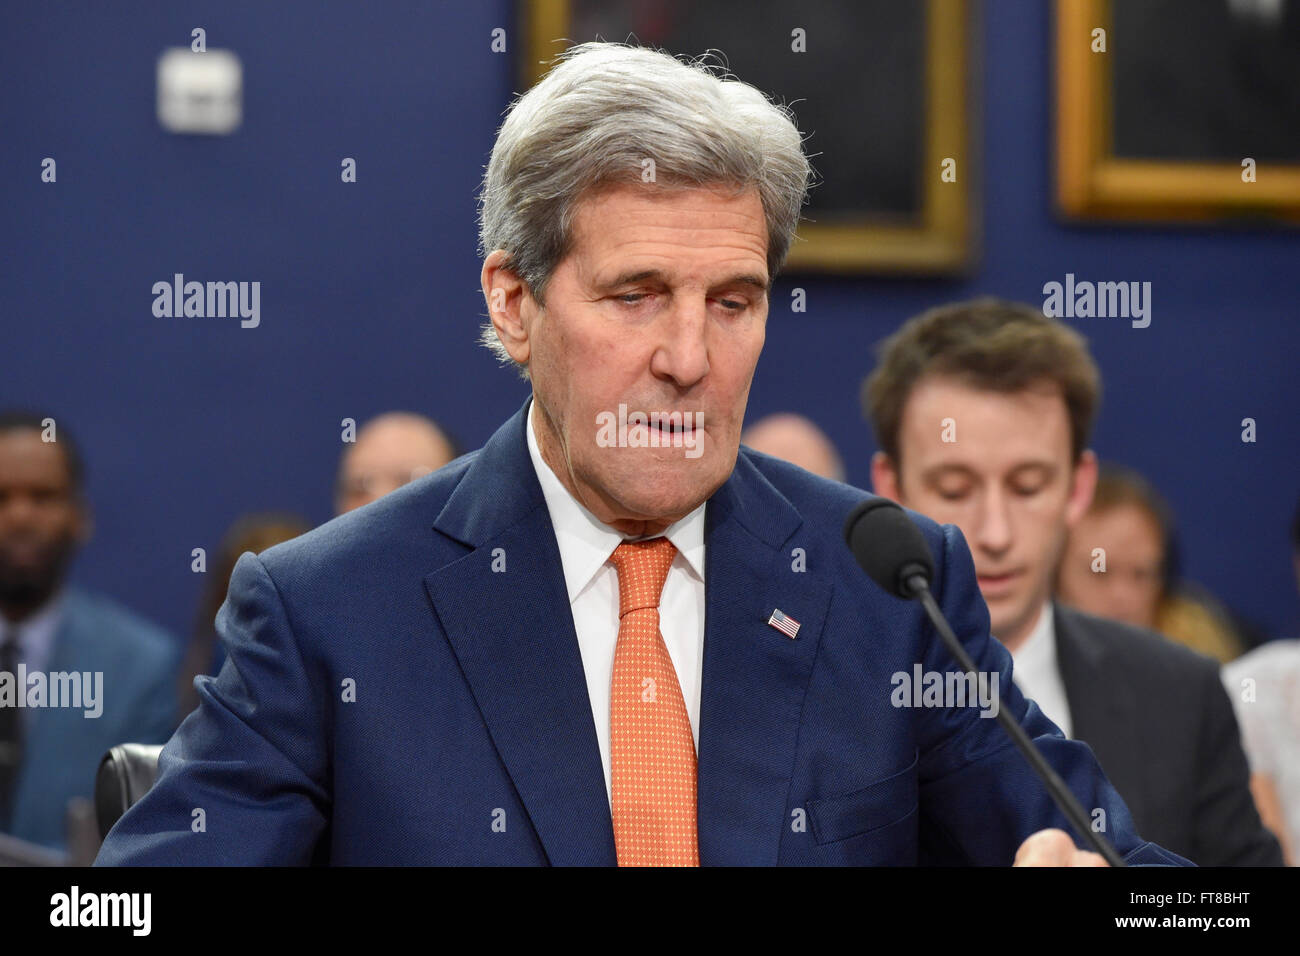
(1055, 848)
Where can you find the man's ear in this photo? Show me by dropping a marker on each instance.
(884, 477)
(1083, 482)
(510, 305)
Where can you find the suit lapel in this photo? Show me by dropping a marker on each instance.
(1102, 711)
(754, 675)
(512, 632)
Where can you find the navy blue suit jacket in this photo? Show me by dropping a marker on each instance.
(391, 698)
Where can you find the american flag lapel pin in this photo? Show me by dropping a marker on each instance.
(783, 623)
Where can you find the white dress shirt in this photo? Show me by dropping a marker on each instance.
(1037, 673)
(585, 547)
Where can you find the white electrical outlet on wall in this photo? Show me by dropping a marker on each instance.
(200, 92)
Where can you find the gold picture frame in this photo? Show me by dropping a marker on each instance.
(940, 240)
(1093, 183)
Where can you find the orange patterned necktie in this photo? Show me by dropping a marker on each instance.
(651, 748)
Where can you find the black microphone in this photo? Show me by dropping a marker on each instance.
(893, 553)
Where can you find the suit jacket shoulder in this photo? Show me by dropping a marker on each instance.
(1160, 658)
(116, 628)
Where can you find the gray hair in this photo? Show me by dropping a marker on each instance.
(596, 117)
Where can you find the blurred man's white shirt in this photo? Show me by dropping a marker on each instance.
(1037, 673)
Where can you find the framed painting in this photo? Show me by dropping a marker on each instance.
(880, 89)
(1178, 110)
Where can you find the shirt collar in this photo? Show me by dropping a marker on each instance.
(1038, 652)
(586, 542)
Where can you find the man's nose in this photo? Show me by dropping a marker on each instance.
(683, 352)
(993, 533)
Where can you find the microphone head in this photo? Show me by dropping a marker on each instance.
(888, 546)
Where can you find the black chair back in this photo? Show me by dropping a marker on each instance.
(125, 775)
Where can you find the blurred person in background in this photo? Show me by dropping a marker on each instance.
(1265, 689)
(797, 440)
(390, 450)
(255, 533)
(1138, 582)
(983, 412)
(59, 643)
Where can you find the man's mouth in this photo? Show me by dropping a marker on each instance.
(667, 426)
(25, 553)
(671, 429)
(657, 429)
(994, 585)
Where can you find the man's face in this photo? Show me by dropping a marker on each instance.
(1006, 482)
(41, 520)
(1128, 589)
(388, 454)
(660, 307)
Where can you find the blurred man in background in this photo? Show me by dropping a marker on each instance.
(983, 412)
(78, 673)
(391, 450)
(1132, 579)
(797, 440)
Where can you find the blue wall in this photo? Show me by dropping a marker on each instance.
(370, 294)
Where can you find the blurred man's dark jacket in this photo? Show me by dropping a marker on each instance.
(1163, 729)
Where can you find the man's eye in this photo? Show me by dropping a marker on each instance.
(731, 305)
(949, 494)
(631, 298)
(1026, 491)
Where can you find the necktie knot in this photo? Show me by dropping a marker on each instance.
(642, 570)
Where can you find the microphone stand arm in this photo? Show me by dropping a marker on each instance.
(1065, 800)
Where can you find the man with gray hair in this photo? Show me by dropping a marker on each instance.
(611, 635)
